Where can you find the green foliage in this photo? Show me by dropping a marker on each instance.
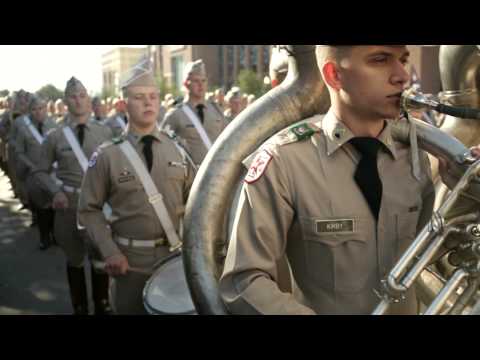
(249, 83)
(108, 93)
(4, 93)
(50, 92)
(165, 88)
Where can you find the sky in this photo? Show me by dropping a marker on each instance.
(30, 67)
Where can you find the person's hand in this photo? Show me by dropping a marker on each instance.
(475, 151)
(60, 201)
(116, 265)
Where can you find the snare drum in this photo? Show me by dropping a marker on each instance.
(166, 292)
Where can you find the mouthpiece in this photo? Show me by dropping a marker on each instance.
(415, 100)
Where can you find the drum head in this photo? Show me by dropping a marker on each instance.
(166, 292)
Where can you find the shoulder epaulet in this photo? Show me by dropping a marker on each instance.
(216, 107)
(169, 133)
(114, 141)
(300, 131)
(49, 131)
(118, 140)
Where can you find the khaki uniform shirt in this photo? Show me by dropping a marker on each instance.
(113, 179)
(17, 124)
(98, 120)
(179, 122)
(28, 149)
(113, 124)
(307, 205)
(229, 117)
(56, 148)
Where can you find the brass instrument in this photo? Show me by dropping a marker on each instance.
(456, 213)
(301, 95)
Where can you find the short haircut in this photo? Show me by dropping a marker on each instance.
(332, 53)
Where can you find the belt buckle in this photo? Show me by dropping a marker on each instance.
(155, 198)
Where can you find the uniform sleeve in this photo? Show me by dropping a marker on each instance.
(20, 151)
(249, 284)
(4, 127)
(44, 168)
(93, 195)
(191, 171)
(12, 139)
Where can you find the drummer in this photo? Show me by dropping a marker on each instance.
(136, 239)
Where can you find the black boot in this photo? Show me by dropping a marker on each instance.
(51, 226)
(78, 290)
(100, 293)
(42, 216)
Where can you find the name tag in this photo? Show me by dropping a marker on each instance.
(176, 164)
(124, 179)
(335, 226)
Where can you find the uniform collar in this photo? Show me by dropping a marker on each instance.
(189, 103)
(35, 122)
(136, 138)
(337, 134)
(74, 124)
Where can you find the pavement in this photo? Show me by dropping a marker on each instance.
(32, 282)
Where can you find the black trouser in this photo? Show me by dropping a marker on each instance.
(78, 291)
(45, 220)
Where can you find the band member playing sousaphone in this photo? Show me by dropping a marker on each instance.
(145, 176)
(338, 194)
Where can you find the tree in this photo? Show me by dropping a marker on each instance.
(108, 92)
(4, 93)
(249, 83)
(164, 88)
(50, 92)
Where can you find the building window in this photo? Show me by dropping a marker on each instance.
(253, 57)
(220, 64)
(177, 71)
(266, 58)
(241, 55)
(230, 60)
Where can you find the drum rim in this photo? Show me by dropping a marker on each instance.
(147, 306)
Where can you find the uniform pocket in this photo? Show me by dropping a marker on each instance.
(176, 170)
(337, 261)
(406, 221)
